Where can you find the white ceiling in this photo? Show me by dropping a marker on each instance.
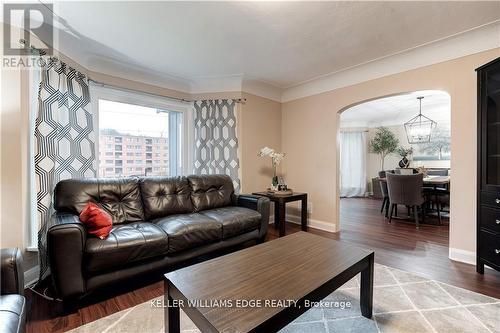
(396, 110)
(280, 43)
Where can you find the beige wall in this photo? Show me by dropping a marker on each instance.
(309, 136)
(260, 126)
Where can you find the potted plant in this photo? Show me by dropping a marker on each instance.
(384, 143)
(276, 159)
(404, 153)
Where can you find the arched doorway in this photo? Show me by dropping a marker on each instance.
(358, 163)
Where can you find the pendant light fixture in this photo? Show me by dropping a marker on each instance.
(419, 128)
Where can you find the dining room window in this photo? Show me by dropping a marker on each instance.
(353, 149)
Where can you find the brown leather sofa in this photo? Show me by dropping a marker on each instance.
(157, 222)
(12, 301)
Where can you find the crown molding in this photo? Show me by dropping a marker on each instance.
(213, 84)
(262, 89)
(194, 86)
(466, 43)
(232, 83)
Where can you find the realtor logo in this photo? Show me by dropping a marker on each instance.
(30, 18)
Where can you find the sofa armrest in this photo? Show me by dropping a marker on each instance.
(66, 239)
(258, 203)
(12, 274)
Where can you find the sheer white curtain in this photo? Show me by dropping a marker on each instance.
(353, 164)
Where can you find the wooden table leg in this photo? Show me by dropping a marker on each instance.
(276, 215)
(281, 214)
(171, 314)
(366, 290)
(438, 208)
(303, 211)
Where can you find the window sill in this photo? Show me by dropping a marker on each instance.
(32, 249)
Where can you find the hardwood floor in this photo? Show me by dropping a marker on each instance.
(399, 245)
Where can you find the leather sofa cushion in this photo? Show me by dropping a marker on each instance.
(164, 196)
(235, 220)
(126, 243)
(121, 197)
(211, 191)
(12, 313)
(187, 231)
(72, 195)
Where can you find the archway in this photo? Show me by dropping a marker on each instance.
(362, 119)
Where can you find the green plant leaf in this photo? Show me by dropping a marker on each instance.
(384, 143)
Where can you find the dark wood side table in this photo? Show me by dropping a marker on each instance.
(280, 208)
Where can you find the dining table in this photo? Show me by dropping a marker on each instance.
(437, 180)
(430, 181)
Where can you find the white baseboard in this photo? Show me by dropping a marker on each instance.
(31, 275)
(467, 257)
(316, 224)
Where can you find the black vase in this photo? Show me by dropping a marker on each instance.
(403, 163)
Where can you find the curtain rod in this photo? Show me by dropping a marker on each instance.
(32, 49)
(237, 100)
(137, 91)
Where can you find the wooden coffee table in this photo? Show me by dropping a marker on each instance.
(253, 290)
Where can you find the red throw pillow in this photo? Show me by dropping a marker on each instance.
(97, 220)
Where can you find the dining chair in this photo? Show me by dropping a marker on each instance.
(437, 198)
(385, 193)
(399, 171)
(437, 172)
(406, 190)
(438, 195)
(443, 200)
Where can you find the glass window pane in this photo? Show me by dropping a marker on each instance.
(136, 134)
(493, 131)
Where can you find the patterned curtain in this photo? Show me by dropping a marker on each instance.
(216, 143)
(64, 139)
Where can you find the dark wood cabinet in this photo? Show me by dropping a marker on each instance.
(488, 196)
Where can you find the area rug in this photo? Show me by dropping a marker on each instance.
(403, 302)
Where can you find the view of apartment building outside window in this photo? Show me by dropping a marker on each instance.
(134, 140)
